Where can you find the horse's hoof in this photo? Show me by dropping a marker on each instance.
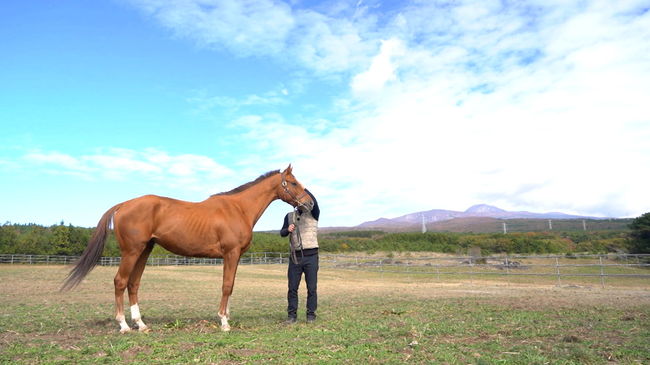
(225, 328)
(125, 330)
(144, 329)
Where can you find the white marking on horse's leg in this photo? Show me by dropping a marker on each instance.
(124, 327)
(224, 322)
(135, 312)
(137, 318)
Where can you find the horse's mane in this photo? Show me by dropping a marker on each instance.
(249, 184)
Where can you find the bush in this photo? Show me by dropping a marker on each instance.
(640, 235)
(70, 240)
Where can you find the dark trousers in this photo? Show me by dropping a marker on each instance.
(309, 266)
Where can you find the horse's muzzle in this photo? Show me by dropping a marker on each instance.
(308, 205)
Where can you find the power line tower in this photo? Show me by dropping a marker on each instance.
(424, 226)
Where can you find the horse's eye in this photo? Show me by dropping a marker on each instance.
(294, 184)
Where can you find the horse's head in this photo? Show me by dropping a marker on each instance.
(292, 192)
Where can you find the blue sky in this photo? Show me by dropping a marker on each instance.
(384, 108)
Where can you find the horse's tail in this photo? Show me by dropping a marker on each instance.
(92, 253)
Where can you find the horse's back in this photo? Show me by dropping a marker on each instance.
(185, 228)
(144, 208)
(136, 219)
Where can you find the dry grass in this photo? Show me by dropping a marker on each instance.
(267, 283)
(363, 317)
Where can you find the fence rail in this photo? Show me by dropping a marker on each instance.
(169, 260)
(556, 267)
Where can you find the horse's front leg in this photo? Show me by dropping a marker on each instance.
(230, 262)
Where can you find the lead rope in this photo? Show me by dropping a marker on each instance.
(294, 257)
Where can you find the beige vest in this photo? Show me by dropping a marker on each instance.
(307, 227)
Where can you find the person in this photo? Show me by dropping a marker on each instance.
(302, 228)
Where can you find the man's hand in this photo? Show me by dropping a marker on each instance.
(291, 227)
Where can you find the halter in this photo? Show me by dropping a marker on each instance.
(295, 198)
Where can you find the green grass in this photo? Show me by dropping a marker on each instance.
(583, 271)
(363, 318)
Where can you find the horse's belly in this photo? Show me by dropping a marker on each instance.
(191, 248)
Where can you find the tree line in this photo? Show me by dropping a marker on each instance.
(61, 239)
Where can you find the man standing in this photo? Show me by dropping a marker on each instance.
(302, 226)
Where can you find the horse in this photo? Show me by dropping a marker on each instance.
(219, 227)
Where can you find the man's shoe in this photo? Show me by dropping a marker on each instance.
(311, 319)
(291, 320)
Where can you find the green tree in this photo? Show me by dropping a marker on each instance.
(79, 237)
(640, 234)
(8, 237)
(61, 244)
(34, 241)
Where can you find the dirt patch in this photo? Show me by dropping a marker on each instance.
(131, 354)
(200, 287)
(64, 340)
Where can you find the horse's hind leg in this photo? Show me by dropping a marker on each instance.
(134, 285)
(121, 280)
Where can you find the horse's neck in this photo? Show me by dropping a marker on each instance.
(254, 200)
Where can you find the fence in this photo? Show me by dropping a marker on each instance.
(514, 268)
(249, 258)
(557, 268)
(528, 225)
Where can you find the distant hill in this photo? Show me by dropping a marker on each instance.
(480, 210)
(477, 218)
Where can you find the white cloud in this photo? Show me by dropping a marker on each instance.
(381, 69)
(536, 105)
(56, 158)
(540, 111)
(321, 42)
(203, 103)
(194, 172)
(243, 27)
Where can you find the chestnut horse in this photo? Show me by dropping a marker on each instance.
(220, 226)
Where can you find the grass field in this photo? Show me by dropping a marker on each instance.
(363, 318)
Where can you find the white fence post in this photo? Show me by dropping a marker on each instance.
(602, 272)
(557, 271)
(507, 271)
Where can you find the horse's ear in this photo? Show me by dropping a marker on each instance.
(287, 170)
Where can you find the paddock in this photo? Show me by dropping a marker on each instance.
(605, 270)
(364, 317)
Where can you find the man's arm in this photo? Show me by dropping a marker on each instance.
(315, 212)
(285, 227)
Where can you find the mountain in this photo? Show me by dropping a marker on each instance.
(475, 211)
(483, 209)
